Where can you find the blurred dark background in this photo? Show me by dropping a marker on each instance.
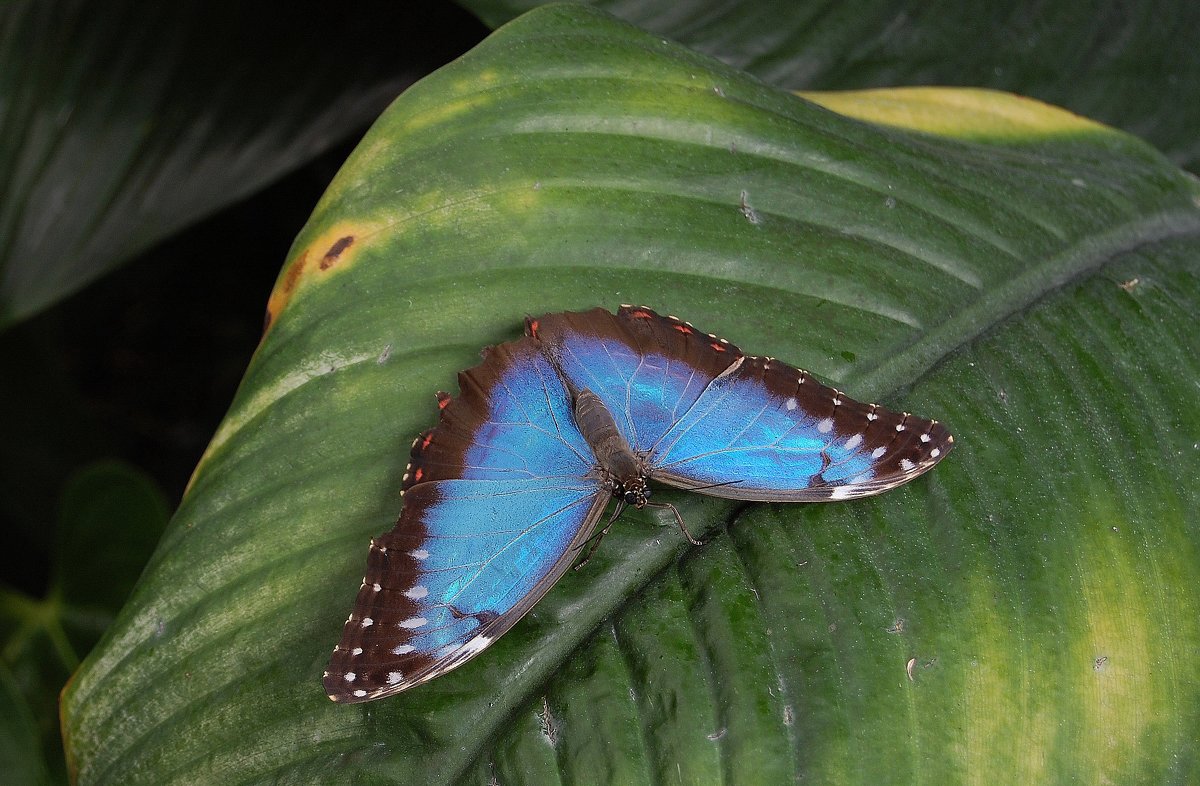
(141, 365)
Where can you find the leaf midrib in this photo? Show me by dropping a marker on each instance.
(1002, 300)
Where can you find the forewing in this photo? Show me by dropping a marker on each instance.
(497, 501)
(767, 431)
(648, 369)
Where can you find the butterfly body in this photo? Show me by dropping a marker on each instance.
(588, 407)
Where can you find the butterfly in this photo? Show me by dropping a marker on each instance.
(502, 496)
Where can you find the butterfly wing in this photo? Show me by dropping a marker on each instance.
(497, 501)
(767, 431)
(647, 369)
(711, 419)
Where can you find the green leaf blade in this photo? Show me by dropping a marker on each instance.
(484, 194)
(1119, 64)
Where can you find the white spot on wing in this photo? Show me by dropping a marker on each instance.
(841, 492)
(394, 677)
(790, 403)
(359, 693)
(367, 622)
(351, 676)
(356, 651)
(419, 554)
(476, 644)
(925, 438)
(907, 465)
(402, 649)
(412, 622)
(854, 442)
(825, 426)
(877, 452)
(417, 592)
(935, 452)
(376, 587)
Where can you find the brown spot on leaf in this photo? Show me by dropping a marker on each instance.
(293, 272)
(283, 290)
(335, 251)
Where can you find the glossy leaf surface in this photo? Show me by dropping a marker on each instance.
(1126, 64)
(1025, 613)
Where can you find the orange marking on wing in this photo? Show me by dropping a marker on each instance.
(533, 328)
(444, 399)
(641, 315)
(684, 329)
(425, 442)
(417, 475)
(717, 347)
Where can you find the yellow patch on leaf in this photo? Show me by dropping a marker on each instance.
(333, 250)
(970, 113)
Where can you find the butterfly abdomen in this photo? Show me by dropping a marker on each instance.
(596, 423)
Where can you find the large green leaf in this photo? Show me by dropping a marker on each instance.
(123, 121)
(1026, 613)
(1128, 64)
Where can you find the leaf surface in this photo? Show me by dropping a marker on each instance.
(1124, 64)
(1025, 613)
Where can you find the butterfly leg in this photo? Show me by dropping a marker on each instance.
(599, 536)
(678, 519)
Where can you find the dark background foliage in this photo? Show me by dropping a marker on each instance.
(131, 374)
(135, 371)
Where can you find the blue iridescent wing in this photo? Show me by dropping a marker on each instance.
(766, 431)
(706, 417)
(648, 370)
(498, 499)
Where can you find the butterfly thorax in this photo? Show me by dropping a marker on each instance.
(617, 462)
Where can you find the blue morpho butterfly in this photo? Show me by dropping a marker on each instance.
(503, 494)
